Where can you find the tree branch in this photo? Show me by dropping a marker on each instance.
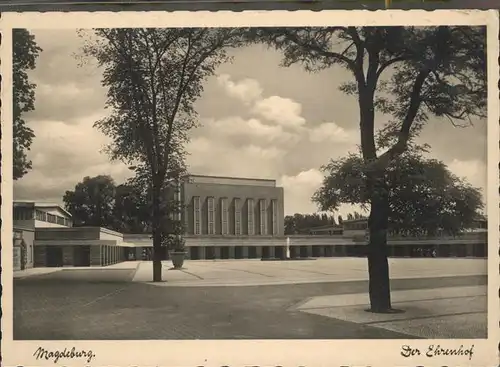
(386, 64)
(404, 134)
(328, 54)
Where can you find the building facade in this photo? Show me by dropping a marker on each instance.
(223, 218)
(27, 218)
(234, 207)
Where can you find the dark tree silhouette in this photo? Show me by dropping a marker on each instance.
(408, 73)
(154, 77)
(91, 202)
(24, 55)
(425, 198)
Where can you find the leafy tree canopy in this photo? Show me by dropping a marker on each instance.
(25, 52)
(91, 202)
(424, 196)
(154, 77)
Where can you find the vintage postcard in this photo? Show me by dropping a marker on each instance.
(250, 189)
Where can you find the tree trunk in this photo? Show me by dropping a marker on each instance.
(157, 233)
(378, 266)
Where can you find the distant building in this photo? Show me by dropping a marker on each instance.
(230, 206)
(27, 217)
(228, 217)
(324, 230)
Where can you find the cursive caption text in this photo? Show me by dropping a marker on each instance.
(66, 353)
(436, 350)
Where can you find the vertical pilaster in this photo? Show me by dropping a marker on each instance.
(96, 255)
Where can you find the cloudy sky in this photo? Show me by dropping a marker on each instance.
(259, 120)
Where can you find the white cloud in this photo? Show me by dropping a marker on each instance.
(329, 131)
(236, 126)
(246, 90)
(282, 111)
(212, 157)
(473, 171)
(62, 155)
(299, 190)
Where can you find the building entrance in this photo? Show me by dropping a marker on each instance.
(280, 252)
(317, 251)
(81, 256)
(210, 253)
(252, 252)
(54, 256)
(224, 252)
(195, 253)
(238, 252)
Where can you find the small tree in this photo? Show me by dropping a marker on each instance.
(24, 55)
(408, 73)
(425, 198)
(153, 77)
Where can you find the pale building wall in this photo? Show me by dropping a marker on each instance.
(43, 224)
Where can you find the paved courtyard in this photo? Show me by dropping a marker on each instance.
(309, 299)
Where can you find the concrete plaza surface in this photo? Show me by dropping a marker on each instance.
(443, 298)
(257, 272)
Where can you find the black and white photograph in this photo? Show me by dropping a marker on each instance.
(223, 181)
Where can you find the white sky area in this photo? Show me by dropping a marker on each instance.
(258, 120)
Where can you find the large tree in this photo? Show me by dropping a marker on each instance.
(425, 198)
(91, 202)
(409, 74)
(24, 55)
(153, 77)
(132, 209)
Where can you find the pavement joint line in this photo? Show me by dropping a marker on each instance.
(135, 271)
(192, 274)
(310, 271)
(250, 272)
(105, 296)
(437, 316)
(299, 304)
(224, 283)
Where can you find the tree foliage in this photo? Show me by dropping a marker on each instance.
(424, 196)
(132, 209)
(24, 55)
(300, 223)
(153, 77)
(408, 73)
(91, 203)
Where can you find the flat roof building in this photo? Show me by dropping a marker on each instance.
(230, 206)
